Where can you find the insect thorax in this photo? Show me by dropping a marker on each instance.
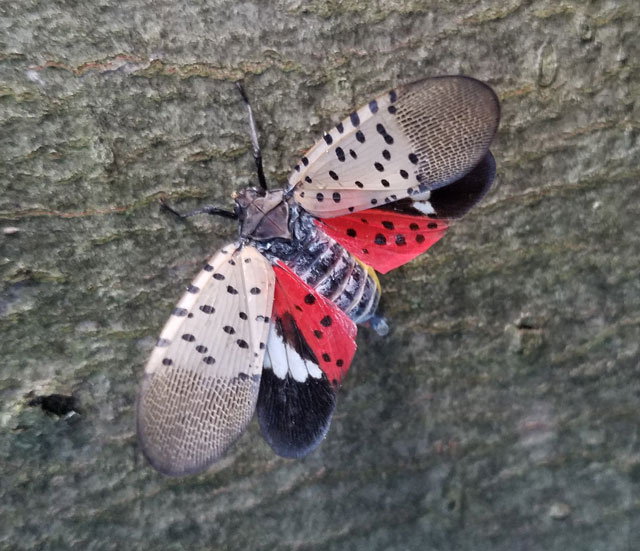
(263, 215)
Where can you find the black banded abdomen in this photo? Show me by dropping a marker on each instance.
(325, 265)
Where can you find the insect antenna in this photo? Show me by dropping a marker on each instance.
(257, 154)
(207, 209)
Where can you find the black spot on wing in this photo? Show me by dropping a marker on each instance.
(294, 417)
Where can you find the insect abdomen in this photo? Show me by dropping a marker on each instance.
(327, 267)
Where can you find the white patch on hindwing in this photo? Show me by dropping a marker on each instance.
(283, 359)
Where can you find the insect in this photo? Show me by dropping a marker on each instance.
(269, 324)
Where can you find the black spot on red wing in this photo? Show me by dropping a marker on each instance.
(333, 175)
(364, 220)
(379, 166)
(219, 277)
(167, 361)
(318, 333)
(400, 240)
(359, 184)
(242, 343)
(298, 308)
(373, 106)
(419, 238)
(207, 309)
(380, 239)
(414, 227)
(309, 299)
(188, 337)
(328, 139)
(326, 357)
(387, 224)
(326, 321)
(336, 197)
(255, 290)
(365, 251)
(360, 136)
(202, 349)
(319, 197)
(193, 289)
(432, 225)
(209, 360)
(231, 290)
(351, 232)
(413, 158)
(339, 363)
(228, 329)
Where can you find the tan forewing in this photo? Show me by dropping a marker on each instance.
(201, 382)
(418, 137)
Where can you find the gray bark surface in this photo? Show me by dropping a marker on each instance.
(502, 411)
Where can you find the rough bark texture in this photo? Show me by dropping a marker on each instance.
(501, 413)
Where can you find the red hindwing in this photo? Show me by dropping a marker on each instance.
(327, 330)
(384, 239)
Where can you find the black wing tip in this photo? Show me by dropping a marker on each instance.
(294, 416)
(459, 197)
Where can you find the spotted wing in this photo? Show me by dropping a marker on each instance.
(201, 383)
(310, 347)
(384, 240)
(416, 138)
(391, 235)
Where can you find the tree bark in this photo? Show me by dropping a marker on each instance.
(501, 413)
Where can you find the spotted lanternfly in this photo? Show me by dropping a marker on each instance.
(270, 322)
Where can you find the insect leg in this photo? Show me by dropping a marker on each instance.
(257, 154)
(379, 325)
(207, 209)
